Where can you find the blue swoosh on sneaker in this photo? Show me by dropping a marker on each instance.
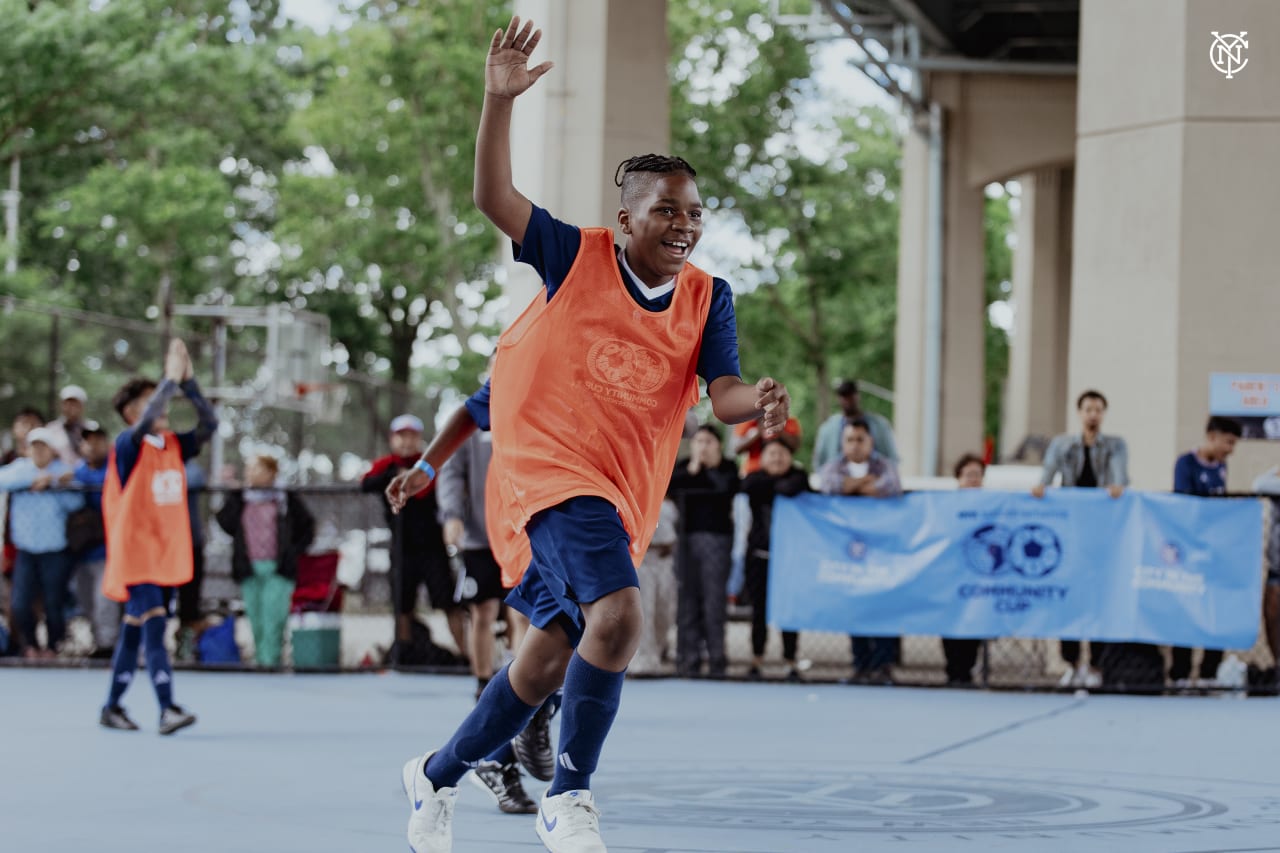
(417, 803)
(550, 826)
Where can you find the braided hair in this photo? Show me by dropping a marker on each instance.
(636, 175)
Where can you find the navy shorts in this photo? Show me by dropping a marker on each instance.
(145, 597)
(581, 553)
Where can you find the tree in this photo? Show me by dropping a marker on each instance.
(378, 228)
(816, 195)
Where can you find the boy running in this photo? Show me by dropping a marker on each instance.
(591, 386)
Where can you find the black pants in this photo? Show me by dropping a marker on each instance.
(1071, 652)
(758, 588)
(1180, 666)
(189, 593)
(961, 657)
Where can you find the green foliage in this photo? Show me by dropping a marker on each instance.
(387, 241)
(999, 257)
(816, 194)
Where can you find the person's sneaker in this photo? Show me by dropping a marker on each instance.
(431, 815)
(173, 719)
(570, 823)
(114, 717)
(533, 745)
(1069, 678)
(1090, 678)
(502, 781)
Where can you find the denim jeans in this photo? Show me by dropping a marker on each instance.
(46, 575)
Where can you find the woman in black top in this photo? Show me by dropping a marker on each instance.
(777, 476)
(703, 487)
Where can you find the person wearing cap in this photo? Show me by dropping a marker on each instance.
(69, 428)
(418, 555)
(87, 540)
(827, 445)
(38, 522)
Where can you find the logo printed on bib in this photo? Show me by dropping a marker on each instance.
(166, 488)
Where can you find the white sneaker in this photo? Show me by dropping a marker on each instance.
(1089, 678)
(1068, 678)
(431, 818)
(570, 823)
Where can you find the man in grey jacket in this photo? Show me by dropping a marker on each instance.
(1087, 459)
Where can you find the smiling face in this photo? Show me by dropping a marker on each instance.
(663, 224)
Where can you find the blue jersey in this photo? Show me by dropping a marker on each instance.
(1192, 476)
(551, 246)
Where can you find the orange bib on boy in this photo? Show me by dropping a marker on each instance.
(147, 525)
(589, 398)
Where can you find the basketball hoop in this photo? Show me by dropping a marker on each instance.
(323, 400)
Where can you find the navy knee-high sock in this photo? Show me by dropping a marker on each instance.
(124, 662)
(158, 661)
(590, 703)
(498, 717)
(503, 755)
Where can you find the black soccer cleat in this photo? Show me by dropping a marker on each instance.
(173, 719)
(502, 781)
(533, 746)
(114, 717)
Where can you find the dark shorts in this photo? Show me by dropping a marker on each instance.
(430, 569)
(1273, 577)
(144, 597)
(581, 553)
(483, 580)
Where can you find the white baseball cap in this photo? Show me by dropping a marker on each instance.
(44, 435)
(407, 422)
(74, 392)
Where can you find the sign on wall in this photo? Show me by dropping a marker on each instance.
(1251, 398)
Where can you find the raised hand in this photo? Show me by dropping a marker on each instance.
(176, 361)
(775, 401)
(506, 72)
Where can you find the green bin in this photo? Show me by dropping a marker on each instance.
(316, 640)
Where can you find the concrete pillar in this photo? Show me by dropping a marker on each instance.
(908, 361)
(1176, 203)
(962, 393)
(964, 289)
(1036, 394)
(605, 100)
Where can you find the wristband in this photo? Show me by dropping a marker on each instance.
(425, 467)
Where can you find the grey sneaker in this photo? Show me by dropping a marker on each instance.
(114, 717)
(174, 718)
(533, 746)
(502, 781)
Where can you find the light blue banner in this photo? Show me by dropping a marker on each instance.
(1077, 564)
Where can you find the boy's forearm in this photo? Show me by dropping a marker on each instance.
(493, 179)
(457, 429)
(734, 401)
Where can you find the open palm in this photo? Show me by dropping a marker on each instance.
(507, 72)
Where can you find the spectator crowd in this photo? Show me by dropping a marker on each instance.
(708, 563)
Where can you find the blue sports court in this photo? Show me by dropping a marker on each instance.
(311, 764)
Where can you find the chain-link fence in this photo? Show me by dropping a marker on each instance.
(342, 607)
(48, 347)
